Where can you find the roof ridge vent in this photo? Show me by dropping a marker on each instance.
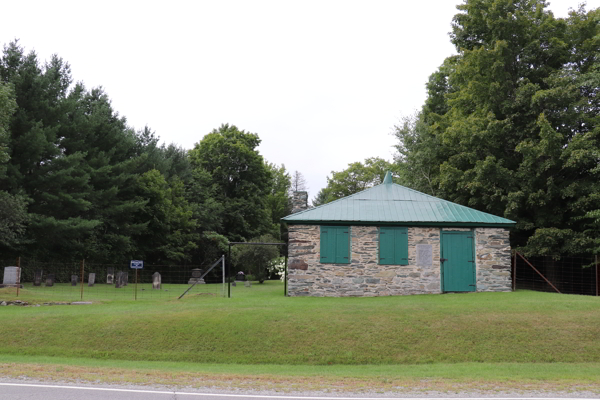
(388, 178)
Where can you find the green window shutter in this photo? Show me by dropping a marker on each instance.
(342, 245)
(335, 244)
(386, 246)
(325, 240)
(401, 246)
(393, 245)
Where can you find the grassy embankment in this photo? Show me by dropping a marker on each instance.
(483, 338)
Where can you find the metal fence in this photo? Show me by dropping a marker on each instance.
(558, 274)
(86, 281)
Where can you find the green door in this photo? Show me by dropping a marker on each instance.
(458, 263)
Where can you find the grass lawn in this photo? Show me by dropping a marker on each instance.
(485, 338)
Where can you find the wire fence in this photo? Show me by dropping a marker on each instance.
(557, 274)
(83, 281)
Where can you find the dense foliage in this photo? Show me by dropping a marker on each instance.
(76, 181)
(355, 178)
(511, 125)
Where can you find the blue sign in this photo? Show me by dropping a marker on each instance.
(137, 264)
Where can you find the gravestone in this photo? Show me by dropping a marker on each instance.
(110, 275)
(120, 279)
(91, 279)
(50, 280)
(424, 255)
(37, 277)
(156, 280)
(74, 280)
(248, 284)
(240, 276)
(12, 277)
(196, 274)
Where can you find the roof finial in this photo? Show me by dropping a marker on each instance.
(388, 178)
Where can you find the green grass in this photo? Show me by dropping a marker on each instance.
(260, 326)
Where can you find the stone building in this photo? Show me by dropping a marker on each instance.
(391, 240)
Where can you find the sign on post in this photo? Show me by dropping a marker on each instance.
(137, 264)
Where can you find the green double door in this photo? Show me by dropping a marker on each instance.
(458, 262)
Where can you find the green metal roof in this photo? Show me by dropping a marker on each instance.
(390, 203)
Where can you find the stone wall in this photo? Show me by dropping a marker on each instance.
(492, 249)
(363, 276)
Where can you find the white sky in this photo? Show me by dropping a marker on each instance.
(321, 82)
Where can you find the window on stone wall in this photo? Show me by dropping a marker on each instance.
(335, 244)
(393, 245)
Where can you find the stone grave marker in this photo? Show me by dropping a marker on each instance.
(110, 275)
(12, 275)
(196, 274)
(91, 279)
(50, 280)
(119, 280)
(240, 276)
(74, 280)
(248, 284)
(156, 280)
(37, 277)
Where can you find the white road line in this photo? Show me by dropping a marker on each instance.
(286, 397)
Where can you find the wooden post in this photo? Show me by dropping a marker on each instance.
(82, 267)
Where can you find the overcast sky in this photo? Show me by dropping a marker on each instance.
(322, 83)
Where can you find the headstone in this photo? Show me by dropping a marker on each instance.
(424, 255)
(50, 280)
(240, 276)
(110, 275)
(74, 280)
(91, 279)
(12, 275)
(248, 284)
(120, 279)
(37, 277)
(196, 274)
(156, 280)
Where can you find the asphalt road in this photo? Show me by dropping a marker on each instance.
(17, 391)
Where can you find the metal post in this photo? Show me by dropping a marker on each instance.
(18, 274)
(514, 283)
(223, 268)
(285, 293)
(228, 273)
(82, 266)
(136, 276)
(597, 280)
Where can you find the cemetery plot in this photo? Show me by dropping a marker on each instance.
(72, 282)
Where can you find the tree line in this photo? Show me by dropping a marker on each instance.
(511, 126)
(77, 182)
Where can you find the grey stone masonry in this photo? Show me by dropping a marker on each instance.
(299, 202)
(364, 276)
(492, 249)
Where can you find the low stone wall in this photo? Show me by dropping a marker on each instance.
(363, 276)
